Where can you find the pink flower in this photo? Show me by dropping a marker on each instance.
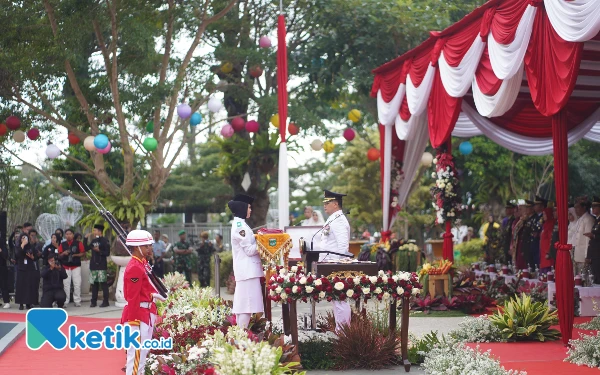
(167, 370)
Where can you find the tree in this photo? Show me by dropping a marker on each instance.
(95, 67)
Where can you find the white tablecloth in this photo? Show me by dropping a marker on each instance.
(587, 294)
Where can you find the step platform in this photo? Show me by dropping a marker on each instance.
(9, 333)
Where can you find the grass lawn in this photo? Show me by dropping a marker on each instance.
(438, 314)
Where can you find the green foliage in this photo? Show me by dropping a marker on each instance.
(421, 346)
(226, 268)
(524, 320)
(129, 210)
(470, 252)
(315, 354)
(168, 219)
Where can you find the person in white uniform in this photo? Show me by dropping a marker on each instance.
(247, 266)
(335, 237)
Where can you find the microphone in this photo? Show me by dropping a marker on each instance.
(323, 227)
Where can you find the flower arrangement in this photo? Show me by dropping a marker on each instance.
(175, 281)
(445, 195)
(291, 285)
(409, 247)
(479, 329)
(440, 267)
(585, 351)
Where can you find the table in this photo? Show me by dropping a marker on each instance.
(507, 278)
(587, 294)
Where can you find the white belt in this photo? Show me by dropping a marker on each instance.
(145, 305)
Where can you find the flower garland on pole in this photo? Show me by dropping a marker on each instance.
(294, 285)
(397, 179)
(445, 193)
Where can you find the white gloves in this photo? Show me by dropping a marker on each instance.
(158, 296)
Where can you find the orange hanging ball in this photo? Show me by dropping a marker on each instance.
(3, 130)
(293, 129)
(73, 139)
(373, 154)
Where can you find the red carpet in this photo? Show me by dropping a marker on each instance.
(538, 358)
(18, 359)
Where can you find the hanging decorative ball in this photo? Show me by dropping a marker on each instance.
(3, 129)
(316, 145)
(214, 105)
(427, 159)
(275, 120)
(293, 129)
(101, 141)
(252, 126)
(19, 136)
(52, 151)
(33, 134)
(465, 148)
(150, 126)
(227, 67)
(264, 42)
(150, 144)
(354, 115)
(73, 139)
(238, 123)
(195, 119)
(227, 131)
(184, 111)
(13, 122)
(88, 143)
(256, 71)
(349, 134)
(328, 146)
(222, 85)
(373, 154)
(106, 149)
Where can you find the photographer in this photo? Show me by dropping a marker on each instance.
(205, 252)
(27, 292)
(70, 253)
(53, 290)
(98, 264)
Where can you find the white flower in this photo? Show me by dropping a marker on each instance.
(399, 290)
(415, 291)
(309, 289)
(294, 269)
(321, 294)
(282, 272)
(373, 279)
(318, 282)
(295, 289)
(303, 280)
(339, 285)
(366, 290)
(385, 279)
(395, 278)
(284, 295)
(404, 276)
(433, 175)
(272, 293)
(435, 161)
(350, 292)
(278, 290)
(441, 185)
(386, 296)
(377, 290)
(381, 273)
(356, 281)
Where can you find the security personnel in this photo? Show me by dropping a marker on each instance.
(140, 311)
(247, 266)
(539, 205)
(507, 224)
(593, 250)
(335, 237)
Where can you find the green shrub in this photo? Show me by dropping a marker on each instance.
(470, 252)
(315, 354)
(523, 320)
(420, 347)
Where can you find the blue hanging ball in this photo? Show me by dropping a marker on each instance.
(195, 119)
(100, 141)
(465, 148)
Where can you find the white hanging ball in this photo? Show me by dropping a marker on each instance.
(427, 159)
(88, 143)
(52, 152)
(19, 136)
(316, 145)
(214, 105)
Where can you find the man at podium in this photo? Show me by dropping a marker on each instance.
(335, 237)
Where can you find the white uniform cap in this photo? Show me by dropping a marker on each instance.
(138, 238)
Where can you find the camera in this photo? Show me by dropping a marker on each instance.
(55, 257)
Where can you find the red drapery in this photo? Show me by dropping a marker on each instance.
(443, 111)
(282, 76)
(564, 267)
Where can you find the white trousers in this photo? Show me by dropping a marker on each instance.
(136, 358)
(342, 313)
(75, 275)
(243, 319)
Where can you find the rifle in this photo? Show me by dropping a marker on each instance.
(122, 236)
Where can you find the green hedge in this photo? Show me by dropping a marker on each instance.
(225, 270)
(470, 252)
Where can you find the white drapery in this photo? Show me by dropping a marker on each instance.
(387, 112)
(413, 152)
(574, 21)
(457, 80)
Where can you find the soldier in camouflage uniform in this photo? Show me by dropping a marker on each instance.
(183, 257)
(205, 252)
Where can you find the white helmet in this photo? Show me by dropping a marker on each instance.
(138, 238)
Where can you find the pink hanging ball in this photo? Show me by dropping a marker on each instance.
(13, 122)
(105, 150)
(33, 134)
(227, 131)
(349, 134)
(252, 126)
(238, 123)
(264, 42)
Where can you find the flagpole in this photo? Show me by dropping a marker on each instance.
(282, 101)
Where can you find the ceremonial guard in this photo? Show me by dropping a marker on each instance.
(537, 221)
(247, 266)
(593, 251)
(507, 226)
(522, 235)
(335, 237)
(140, 311)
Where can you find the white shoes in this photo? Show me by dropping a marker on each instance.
(6, 306)
(77, 304)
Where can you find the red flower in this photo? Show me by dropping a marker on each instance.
(316, 297)
(342, 296)
(304, 299)
(329, 289)
(379, 280)
(280, 280)
(309, 280)
(288, 290)
(292, 279)
(329, 298)
(209, 371)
